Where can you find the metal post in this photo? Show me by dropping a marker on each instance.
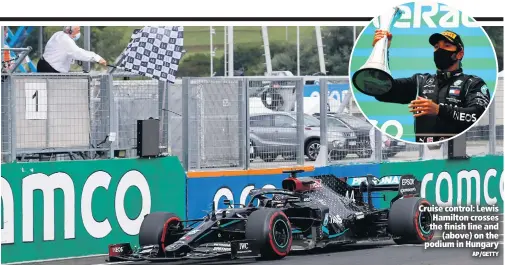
(319, 40)
(231, 68)
(421, 151)
(185, 124)
(445, 147)
(244, 126)
(323, 101)
(13, 118)
(492, 127)
(41, 41)
(298, 50)
(266, 45)
(211, 53)
(300, 122)
(163, 92)
(353, 34)
(378, 145)
(225, 52)
(87, 46)
(112, 112)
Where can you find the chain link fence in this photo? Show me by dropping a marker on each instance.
(275, 135)
(485, 137)
(77, 116)
(209, 123)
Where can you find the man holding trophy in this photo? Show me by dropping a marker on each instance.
(444, 104)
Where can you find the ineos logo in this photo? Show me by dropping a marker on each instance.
(467, 117)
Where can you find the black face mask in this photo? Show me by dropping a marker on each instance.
(444, 58)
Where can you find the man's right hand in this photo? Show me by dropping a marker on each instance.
(379, 34)
(103, 62)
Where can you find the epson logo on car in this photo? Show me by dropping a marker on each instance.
(407, 182)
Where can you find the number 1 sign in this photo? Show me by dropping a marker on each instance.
(36, 101)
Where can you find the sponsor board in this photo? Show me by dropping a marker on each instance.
(76, 208)
(477, 181)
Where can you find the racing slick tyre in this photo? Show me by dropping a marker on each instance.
(409, 225)
(270, 231)
(158, 228)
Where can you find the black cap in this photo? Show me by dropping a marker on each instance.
(447, 35)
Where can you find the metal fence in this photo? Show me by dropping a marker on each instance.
(218, 122)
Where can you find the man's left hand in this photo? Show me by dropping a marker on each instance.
(423, 106)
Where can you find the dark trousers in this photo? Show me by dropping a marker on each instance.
(44, 67)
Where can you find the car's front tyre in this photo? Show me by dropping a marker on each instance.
(270, 231)
(158, 228)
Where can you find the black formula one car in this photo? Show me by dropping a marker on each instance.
(308, 213)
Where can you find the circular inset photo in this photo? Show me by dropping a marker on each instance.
(423, 72)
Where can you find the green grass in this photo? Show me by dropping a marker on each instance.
(197, 39)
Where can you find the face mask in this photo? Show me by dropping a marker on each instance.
(77, 36)
(443, 58)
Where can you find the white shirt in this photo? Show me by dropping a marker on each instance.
(61, 50)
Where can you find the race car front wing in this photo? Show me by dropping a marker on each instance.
(238, 249)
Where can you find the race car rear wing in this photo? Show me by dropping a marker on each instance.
(406, 185)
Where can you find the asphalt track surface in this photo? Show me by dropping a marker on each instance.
(373, 253)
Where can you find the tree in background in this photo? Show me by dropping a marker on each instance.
(111, 41)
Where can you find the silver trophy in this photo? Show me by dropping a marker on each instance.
(374, 77)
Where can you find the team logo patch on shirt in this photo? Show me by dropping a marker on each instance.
(458, 82)
(454, 91)
(483, 89)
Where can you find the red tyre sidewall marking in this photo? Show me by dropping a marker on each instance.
(165, 227)
(271, 241)
(417, 225)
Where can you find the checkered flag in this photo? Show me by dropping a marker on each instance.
(154, 52)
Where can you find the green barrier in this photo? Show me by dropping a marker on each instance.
(71, 209)
(454, 182)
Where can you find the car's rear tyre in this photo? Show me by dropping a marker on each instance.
(270, 231)
(407, 224)
(312, 149)
(157, 229)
